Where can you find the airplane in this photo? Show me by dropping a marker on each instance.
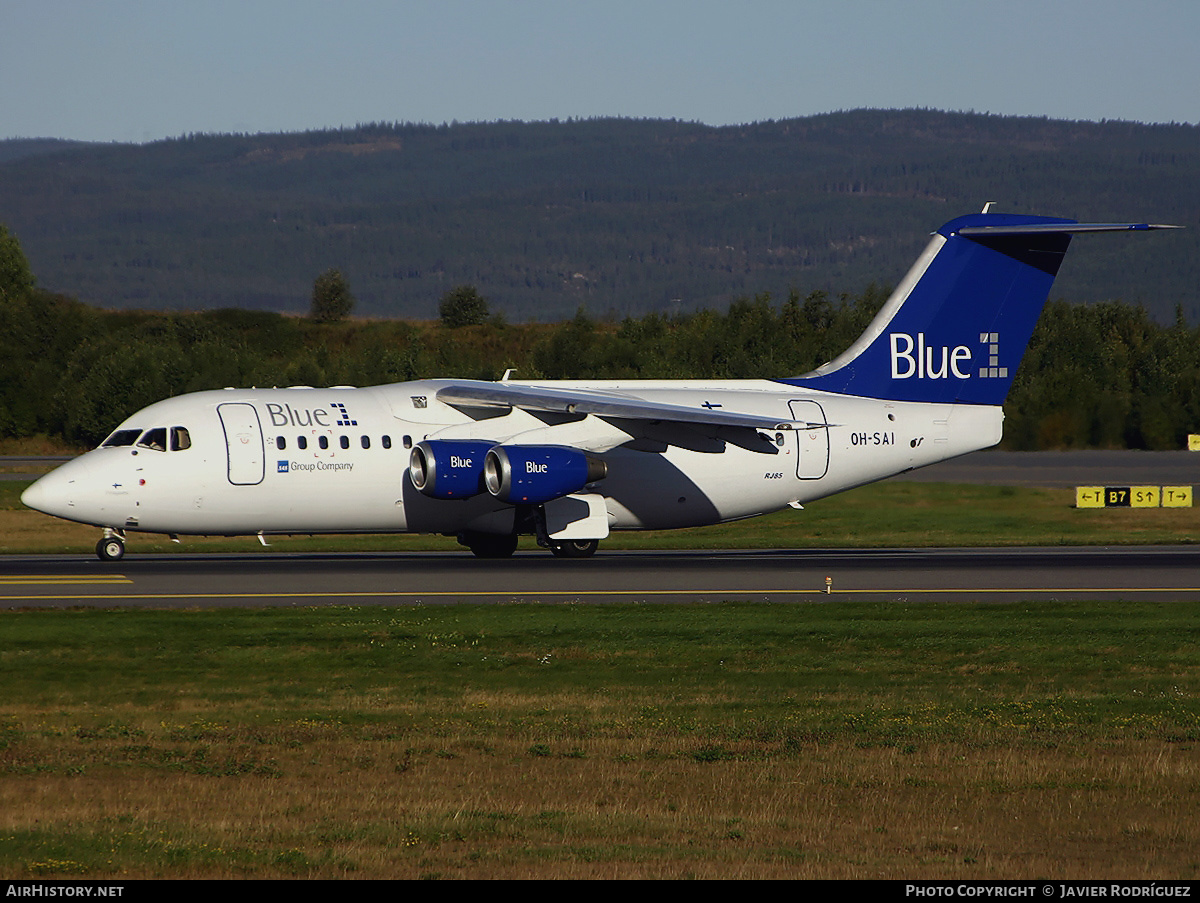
(568, 462)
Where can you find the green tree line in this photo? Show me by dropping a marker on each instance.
(1104, 375)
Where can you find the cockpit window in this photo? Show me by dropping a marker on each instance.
(155, 439)
(121, 438)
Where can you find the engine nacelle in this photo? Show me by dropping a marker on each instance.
(448, 468)
(533, 474)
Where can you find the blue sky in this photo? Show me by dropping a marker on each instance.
(139, 70)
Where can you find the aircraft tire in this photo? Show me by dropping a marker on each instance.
(576, 548)
(491, 545)
(109, 548)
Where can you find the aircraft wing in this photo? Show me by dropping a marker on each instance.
(474, 393)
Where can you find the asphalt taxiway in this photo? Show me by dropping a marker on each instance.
(1168, 573)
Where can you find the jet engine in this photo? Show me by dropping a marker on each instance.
(533, 474)
(448, 468)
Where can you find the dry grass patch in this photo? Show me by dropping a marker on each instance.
(426, 805)
(834, 741)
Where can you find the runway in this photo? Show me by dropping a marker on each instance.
(1064, 469)
(950, 575)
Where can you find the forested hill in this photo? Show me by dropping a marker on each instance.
(620, 216)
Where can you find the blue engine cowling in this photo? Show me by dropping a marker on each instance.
(533, 474)
(448, 468)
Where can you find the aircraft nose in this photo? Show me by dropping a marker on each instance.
(39, 495)
(52, 494)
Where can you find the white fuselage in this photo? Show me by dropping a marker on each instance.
(303, 460)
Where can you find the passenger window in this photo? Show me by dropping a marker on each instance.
(323, 441)
(281, 443)
(180, 438)
(387, 441)
(344, 442)
(155, 439)
(121, 438)
(301, 443)
(366, 441)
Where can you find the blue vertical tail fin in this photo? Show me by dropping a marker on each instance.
(956, 327)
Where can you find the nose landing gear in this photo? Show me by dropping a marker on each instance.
(111, 546)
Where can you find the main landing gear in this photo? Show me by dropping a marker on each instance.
(489, 545)
(111, 546)
(575, 548)
(496, 545)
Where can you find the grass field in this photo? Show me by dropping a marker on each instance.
(847, 739)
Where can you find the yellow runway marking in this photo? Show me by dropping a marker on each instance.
(53, 579)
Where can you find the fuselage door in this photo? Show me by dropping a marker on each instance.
(243, 442)
(812, 444)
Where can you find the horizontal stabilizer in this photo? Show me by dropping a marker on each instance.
(1069, 228)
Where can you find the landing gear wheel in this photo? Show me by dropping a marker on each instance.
(110, 548)
(575, 548)
(490, 545)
